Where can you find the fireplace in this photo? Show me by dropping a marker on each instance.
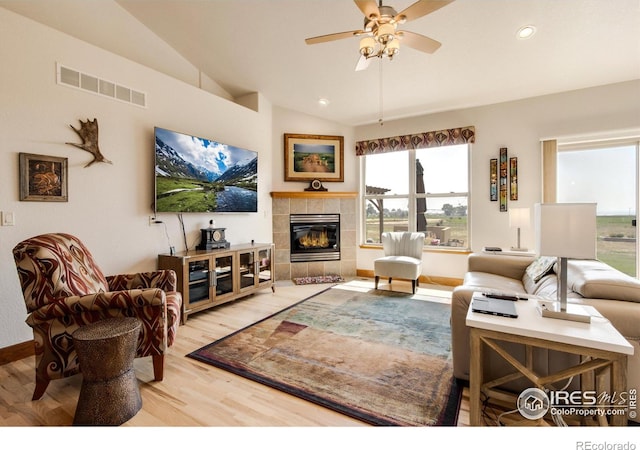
(314, 237)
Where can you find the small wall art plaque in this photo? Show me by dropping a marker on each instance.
(43, 178)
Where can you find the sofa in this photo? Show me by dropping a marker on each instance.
(614, 294)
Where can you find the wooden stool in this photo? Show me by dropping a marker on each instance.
(109, 394)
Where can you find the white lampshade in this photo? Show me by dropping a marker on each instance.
(386, 32)
(392, 48)
(519, 217)
(367, 46)
(566, 230)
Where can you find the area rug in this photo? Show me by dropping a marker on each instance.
(379, 356)
(318, 279)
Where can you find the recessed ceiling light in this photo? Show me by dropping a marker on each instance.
(323, 101)
(526, 32)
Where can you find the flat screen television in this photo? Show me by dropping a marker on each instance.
(194, 174)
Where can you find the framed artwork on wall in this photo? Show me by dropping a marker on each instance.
(513, 177)
(503, 179)
(43, 178)
(493, 179)
(309, 157)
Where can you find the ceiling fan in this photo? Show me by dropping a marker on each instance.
(380, 36)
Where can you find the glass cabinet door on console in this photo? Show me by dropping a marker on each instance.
(247, 269)
(223, 276)
(199, 291)
(264, 266)
(255, 269)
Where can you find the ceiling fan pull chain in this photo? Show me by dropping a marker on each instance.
(381, 121)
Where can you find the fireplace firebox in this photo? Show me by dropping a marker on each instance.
(315, 237)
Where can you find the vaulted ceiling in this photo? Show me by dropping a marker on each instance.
(259, 46)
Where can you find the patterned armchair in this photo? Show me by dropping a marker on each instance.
(64, 289)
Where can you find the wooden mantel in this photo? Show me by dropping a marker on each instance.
(313, 194)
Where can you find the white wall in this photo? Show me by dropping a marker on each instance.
(519, 126)
(108, 205)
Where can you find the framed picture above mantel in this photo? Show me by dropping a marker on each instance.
(309, 157)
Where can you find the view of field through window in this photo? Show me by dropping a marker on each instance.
(606, 176)
(424, 190)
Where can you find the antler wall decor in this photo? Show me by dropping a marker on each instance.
(88, 132)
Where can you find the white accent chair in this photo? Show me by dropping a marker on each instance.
(402, 257)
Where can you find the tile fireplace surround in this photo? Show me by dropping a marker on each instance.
(286, 203)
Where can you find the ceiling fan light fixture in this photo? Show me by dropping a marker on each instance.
(392, 48)
(380, 35)
(385, 33)
(367, 46)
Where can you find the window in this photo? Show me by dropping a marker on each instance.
(426, 189)
(605, 173)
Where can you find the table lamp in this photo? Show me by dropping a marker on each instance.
(519, 218)
(565, 230)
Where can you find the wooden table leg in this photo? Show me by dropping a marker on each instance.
(475, 379)
(619, 386)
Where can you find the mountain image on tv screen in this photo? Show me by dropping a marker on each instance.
(195, 174)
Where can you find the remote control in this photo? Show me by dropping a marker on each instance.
(513, 298)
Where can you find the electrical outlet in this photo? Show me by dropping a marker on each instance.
(8, 219)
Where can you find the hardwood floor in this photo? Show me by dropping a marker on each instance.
(192, 394)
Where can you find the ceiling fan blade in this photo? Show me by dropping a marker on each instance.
(363, 63)
(333, 37)
(418, 41)
(421, 8)
(368, 7)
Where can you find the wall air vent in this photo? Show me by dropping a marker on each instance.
(90, 83)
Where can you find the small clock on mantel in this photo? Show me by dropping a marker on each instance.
(315, 185)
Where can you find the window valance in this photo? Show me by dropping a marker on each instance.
(453, 136)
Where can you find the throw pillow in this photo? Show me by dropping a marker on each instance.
(540, 267)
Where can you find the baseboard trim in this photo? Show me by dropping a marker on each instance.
(424, 279)
(17, 352)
